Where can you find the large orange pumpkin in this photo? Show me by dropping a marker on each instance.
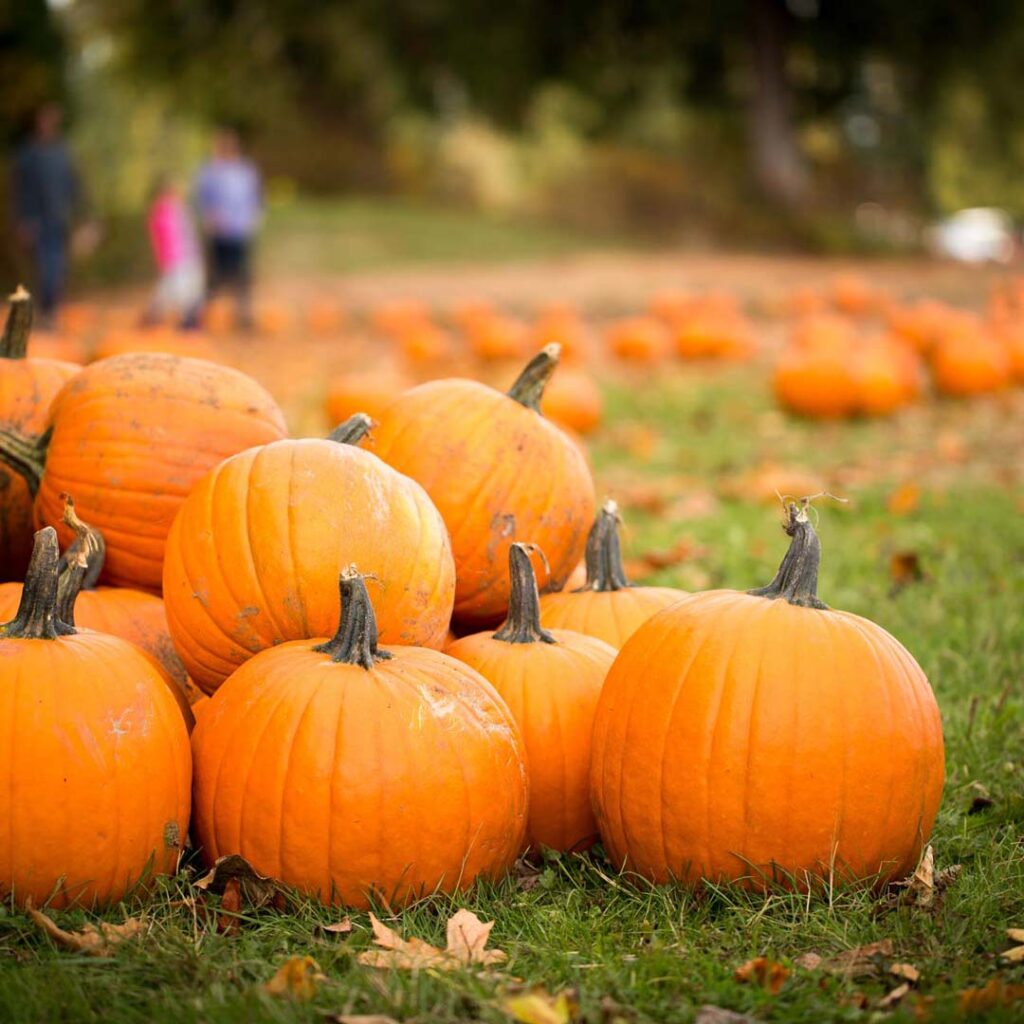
(970, 361)
(344, 768)
(129, 437)
(763, 737)
(573, 400)
(498, 471)
(254, 554)
(550, 682)
(817, 380)
(27, 386)
(97, 771)
(607, 605)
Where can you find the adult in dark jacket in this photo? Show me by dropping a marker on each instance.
(47, 195)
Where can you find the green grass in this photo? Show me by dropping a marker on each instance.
(660, 953)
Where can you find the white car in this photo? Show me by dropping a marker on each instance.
(979, 235)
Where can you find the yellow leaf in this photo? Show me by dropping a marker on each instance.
(1016, 934)
(297, 978)
(539, 1007)
(904, 499)
(908, 972)
(91, 940)
(767, 973)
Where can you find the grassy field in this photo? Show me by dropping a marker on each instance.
(691, 458)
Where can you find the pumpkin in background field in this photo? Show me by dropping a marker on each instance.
(969, 361)
(27, 386)
(605, 605)
(573, 400)
(393, 770)
(325, 317)
(391, 318)
(639, 339)
(922, 323)
(97, 770)
(886, 379)
(218, 316)
(853, 294)
(499, 472)
(714, 336)
(272, 319)
(254, 553)
(670, 305)
(155, 339)
(550, 682)
(368, 391)
(131, 436)
(497, 337)
(1012, 337)
(817, 380)
(423, 343)
(76, 319)
(764, 738)
(559, 323)
(64, 348)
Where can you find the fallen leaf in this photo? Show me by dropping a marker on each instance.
(905, 499)
(765, 483)
(904, 569)
(1016, 954)
(768, 974)
(995, 993)
(342, 927)
(709, 1014)
(228, 922)
(857, 1000)
(297, 978)
(951, 446)
(809, 961)
(256, 890)
(979, 804)
(537, 1006)
(467, 937)
(894, 997)
(908, 972)
(1017, 934)
(860, 961)
(359, 1018)
(93, 940)
(667, 557)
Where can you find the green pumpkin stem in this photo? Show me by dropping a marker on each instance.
(37, 617)
(523, 623)
(25, 455)
(529, 387)
(352, 430)
(14, 342)
(355, 642)
(603, 556)
(797, 578)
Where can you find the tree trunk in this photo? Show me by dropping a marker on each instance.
(778, 164)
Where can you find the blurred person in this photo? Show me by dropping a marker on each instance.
(47, 197)
(172, 235)
(229, 195)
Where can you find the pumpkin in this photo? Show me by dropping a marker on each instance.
(133, 615)
(27, 386)
(817, 380)
(573, 400)
(272, 319)
(606, 604)
(97, 770)
(346, 769)
(550, 682)
(63, 347)
(853, 294)
(496, 337)
(423, 343)
(921, 324)
(131, 436)
(639, 339)
(559, 323)
(77, 319)
(155, 339)
(714, 336)
(367, 391)
(218, 316)
(498, 471)
(886, 379)
(254, 553)
(670, 305)
(325, 317)
(391, 318)
(764, 738)
(1012, 337)
(970, 361)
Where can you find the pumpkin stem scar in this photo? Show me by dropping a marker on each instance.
(529, 387)
(355, 642)
(14, 342)
(603, 556)
(797, 578)
(25, 455)
(352, 430)
(37, 613)
(523, 623)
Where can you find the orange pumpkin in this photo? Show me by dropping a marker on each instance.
(853, 294)
(218, 316)
(498, 471)
(254, 553)
(131, 435)
(670, 305)
(550, 682)
(762, 737)
(714, 336)
(921, 324)
(496, 337)
(155, 339)
(272, 319)
(76, 319)
(885, 380)
(970, 361)
(639, 339)
(391, 318)
(606, 605)
(573, 400)
(817, 381)
(346, 769)
(559, 323)
(368, 391)
(424, 343)
(1012, 337)
(95, 754)
(63, 347)
(325, 317)
(27, 386)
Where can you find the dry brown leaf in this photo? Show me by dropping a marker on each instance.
(1016, 954)
(905, 499)
(467, 937)
(709, 1014)
(228, 922)
(92, 940)
(908, 972)
(995, 993)
(537, 1006)
(766, 482)
(767, 973)
(256, 890)
(342, 927)
(1015, 934)
(905, 568)
(809, 961)
(893, 998)
(297, 978)
(668, 557)
(857, 1000)
(861, 960)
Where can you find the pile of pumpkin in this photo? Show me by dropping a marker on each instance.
(345, 741)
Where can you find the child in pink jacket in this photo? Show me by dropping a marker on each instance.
(179, 289)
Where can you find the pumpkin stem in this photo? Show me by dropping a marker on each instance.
(355, 643)
(37, 613)
(529, 387)
(603, 557)
(25, 455)
(797, 578)
(70, 582)
(523, 623)
(88, 543)
(14, 343)
(352, 430)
